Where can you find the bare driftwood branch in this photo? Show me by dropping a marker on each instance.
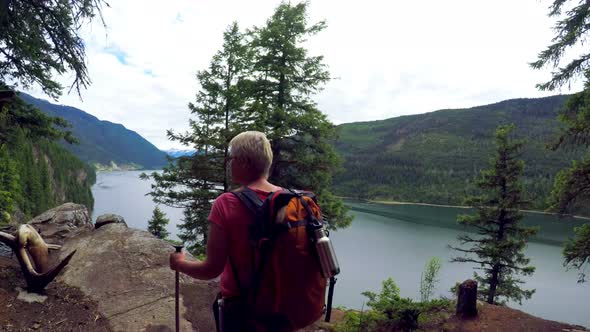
(28, 243)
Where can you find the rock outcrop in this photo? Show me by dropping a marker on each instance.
(63, 222)
(109, 218)
(126, 272)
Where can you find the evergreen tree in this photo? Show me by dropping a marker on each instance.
(301, 136)
(499, 247)
(45, 183)
(37, 40)
(8, 185)
(17, 116)
(572, 187)
(40, 38)
(264, 85)
(35, 170)
(157, 225)
(193, 182)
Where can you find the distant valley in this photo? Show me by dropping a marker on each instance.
(429, 158)
(175, 153)
(104, 144)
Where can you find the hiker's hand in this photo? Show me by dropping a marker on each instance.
(175, 259)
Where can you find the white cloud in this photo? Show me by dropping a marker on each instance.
(389, 58)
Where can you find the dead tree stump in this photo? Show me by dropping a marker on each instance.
(467, 299)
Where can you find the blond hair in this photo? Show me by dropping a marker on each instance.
(252, 149)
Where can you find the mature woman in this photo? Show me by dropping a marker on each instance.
(228, 247)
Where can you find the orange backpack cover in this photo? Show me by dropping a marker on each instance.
(288, 289)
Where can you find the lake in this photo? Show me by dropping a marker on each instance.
(395, 241)
(123, 193)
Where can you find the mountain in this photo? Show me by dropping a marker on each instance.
(434, 157)
(174, 153)
(103, 142)
(48, 175)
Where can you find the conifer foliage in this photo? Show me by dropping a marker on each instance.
(8, 185)
(285, 79)
(40, 38)
(260, 80)
(192, 182)
(572, 187)
(157, 225)
(498, 247)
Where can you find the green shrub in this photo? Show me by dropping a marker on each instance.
(390, 312)
(364, 321)
(387, 311)
(386, 299)
(429, 278)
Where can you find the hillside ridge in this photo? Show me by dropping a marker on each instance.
(102, 142)
(476, 107)
(434, 157)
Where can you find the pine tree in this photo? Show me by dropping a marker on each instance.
(498, 248)
(572, 187)
(157, 225)
(264, 85)
(40, 38)
(286, 78)
(192, 183)
(8, 185)
(16, 116)
(45, 181)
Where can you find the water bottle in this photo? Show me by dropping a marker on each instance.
(327, 255)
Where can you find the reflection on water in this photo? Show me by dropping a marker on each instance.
(388, 243)
(552, 229)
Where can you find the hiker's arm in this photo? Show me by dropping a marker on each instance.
(212, 266)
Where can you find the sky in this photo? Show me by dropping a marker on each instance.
(387, 58)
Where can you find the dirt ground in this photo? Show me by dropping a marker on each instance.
(66, 308)
(490, 318)
(321, 326)
(493, 318)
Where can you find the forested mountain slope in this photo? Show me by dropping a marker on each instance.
(103, 142)
(45, 175)
(434, 157)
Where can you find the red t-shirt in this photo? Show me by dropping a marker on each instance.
(233, 217)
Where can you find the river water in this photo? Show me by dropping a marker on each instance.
(396, 241)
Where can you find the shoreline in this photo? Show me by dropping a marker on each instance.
(390, 202)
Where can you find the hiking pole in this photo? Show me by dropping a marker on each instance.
(178, 249)
(330, 296)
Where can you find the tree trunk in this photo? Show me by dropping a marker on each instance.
(467, 299)
(273, 172)
(493, 284)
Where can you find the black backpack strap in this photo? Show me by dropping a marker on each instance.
(258, 231)
(314, 222)
(304, 193)
(249, 198)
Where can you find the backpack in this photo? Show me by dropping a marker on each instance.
(287, 289)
